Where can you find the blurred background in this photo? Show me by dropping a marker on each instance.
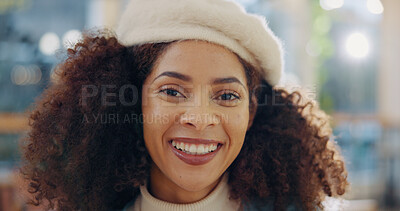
(344, 53)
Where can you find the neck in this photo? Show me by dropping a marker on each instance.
(164, 189)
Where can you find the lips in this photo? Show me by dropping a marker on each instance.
(195, 159)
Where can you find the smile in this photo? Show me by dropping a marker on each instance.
(194, 151)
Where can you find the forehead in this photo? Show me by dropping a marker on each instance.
(199, 59)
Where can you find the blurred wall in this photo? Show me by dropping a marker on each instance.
(389, 101)
(389, 71)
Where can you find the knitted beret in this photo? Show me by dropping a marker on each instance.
(218, 21)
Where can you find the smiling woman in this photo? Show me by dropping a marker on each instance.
(206, 118)
(213, 132)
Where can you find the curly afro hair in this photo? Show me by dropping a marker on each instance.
(73, 161)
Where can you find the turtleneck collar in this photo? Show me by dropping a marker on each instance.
(218, 199)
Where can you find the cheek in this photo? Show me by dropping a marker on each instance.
(155, 122)
(236, 127)
(158, 119)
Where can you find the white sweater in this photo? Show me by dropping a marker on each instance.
(218, 199)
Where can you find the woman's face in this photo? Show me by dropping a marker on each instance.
(196, 112)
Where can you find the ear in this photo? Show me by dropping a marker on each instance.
(252, 111)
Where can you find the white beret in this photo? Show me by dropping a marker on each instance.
(218, 21)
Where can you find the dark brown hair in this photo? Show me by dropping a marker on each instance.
(74, 161)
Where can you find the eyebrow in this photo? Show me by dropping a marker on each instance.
(227, 80)
(175, 75)
(187, 78)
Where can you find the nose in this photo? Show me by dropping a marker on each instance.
(199, 118)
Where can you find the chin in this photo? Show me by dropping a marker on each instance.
(194, 179)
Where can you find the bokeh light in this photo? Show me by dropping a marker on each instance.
(313, 48)
(71, 37)
(49, 43)
(375, 6)
(331, 4)
(21, 75)
(357, 45)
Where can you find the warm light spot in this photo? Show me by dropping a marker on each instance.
(36, 74)
(19, 75)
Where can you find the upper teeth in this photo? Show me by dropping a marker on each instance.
(194, 149)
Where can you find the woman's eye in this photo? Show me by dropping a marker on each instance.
(172, 92)
(228, 96)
